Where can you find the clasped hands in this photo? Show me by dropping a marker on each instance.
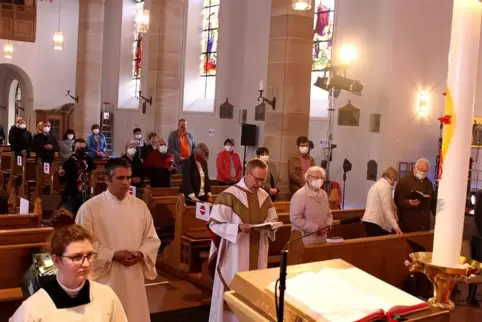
(127, 258)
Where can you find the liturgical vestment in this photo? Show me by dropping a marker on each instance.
(122, 225)
(103, 306)
(238, 251)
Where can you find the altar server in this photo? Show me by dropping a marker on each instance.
(236, 246)
(71, 296)
(125, 240)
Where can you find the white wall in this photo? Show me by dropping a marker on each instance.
(51, 72)
(242, 63)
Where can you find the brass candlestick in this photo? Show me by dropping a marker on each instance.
(443, 279)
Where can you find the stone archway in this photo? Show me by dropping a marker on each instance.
(11, 76)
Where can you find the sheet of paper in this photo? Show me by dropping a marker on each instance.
(19, 161)
(23, 206)
(132, 191)
(202, 211)
(46, 168)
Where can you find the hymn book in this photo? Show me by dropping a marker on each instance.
(417, 195)
(347, 295)
(273, 225)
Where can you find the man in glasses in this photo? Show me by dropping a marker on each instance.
(237, 246)
(414, 198)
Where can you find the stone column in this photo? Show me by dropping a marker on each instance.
(289, 77)
(164, 62)
(89, 65)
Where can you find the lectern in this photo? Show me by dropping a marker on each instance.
(251, 300)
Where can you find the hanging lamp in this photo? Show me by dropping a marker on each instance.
(301, 4)
(59, 35)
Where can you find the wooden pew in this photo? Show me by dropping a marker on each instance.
(5, 160)
(149, 192)
(30, 220)
(16, 247)
(383, 257)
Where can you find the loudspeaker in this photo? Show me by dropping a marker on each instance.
(248, 134)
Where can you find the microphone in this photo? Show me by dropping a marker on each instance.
(284, 263)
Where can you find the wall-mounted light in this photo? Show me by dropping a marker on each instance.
(142, 20)
(58, 40)
(8, 50)
(423, 105)
(301, 4)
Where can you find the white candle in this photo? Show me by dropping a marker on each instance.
(261, 85)
(461, 83)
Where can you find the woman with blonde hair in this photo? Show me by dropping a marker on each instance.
(380, 213)
(71, 296)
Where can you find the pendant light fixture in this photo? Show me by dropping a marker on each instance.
(8, 49)
(59, 35)
(142, 18)
(301, 4)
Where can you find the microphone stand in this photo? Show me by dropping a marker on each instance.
(344, 186)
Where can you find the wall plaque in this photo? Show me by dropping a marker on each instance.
(349, 115)
(226, 110)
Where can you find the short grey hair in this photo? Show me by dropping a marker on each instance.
(422, 160)
(315, 169)
(131, 142)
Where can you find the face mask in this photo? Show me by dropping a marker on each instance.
(162, 148)
(70, 137)
(228, 148)
(22, 126)
(96, 131)
(264, 158)
(303, 149)
(317, 183)
(46, 129)
(138, 136)
(80, 152)
(131, 151)
(199, 158)
(420, 175)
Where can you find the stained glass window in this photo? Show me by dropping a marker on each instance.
(137, 50)
(323, 33)
(210, 38)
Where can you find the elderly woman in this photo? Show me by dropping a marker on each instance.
(195, 177)
(71, 296)
(136, 163)
(380, 213)
(309, 208)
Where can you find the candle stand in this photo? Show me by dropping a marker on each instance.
(443, 279)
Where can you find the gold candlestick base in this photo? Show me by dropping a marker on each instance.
(443, 279)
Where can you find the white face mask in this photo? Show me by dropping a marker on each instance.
(70, 137)
(317, 183)
(138, 136)
(22, 126)
(229, 148)
(46, 129)
(420, 175)
(264, 158)
(131, 151)
(96, 131)
(303, 149)
(162, 148)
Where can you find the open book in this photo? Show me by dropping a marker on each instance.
(347, 295)
(270, 224)
(417, 195)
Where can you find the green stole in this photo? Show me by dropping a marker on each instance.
(253, 214)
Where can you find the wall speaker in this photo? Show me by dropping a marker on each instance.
(248, 134)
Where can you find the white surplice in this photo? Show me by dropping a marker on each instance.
(122, 225)
(234, 249)
(104, 306)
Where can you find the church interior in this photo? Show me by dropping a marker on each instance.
(364, 85)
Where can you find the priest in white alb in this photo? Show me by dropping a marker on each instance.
(237, 246)
(124, 239)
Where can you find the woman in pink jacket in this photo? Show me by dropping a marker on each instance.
(228, 165)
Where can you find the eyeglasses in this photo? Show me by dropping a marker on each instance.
(258, 180)
(79, 259)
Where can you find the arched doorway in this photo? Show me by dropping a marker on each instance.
(16, 96)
